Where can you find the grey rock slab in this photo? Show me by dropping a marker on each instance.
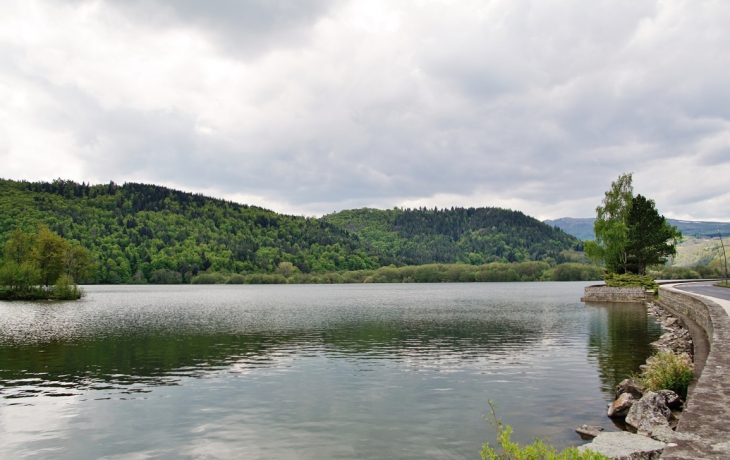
(589, 431)
(649, 412)
(661, 433)
(623, 445)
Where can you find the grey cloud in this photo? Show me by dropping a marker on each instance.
(244, 28)
(542, 105)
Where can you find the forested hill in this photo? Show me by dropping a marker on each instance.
(133, 230)
(469, 235)
(136, 230)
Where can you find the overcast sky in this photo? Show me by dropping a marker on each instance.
(307, 107)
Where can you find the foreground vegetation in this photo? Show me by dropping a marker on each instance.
(538, 450)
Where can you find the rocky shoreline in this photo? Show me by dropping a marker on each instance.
(650, 416)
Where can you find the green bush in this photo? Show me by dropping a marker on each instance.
(538, 450)
(209, 278)
(706, 272)
(668, 371)
(630, 280)
(265, 279)
(66, 289)
(165, 276)
(577, 272)
(236, 279)
(678, 273)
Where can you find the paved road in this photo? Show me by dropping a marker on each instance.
(705, 288)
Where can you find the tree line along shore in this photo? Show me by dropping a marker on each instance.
(140, 233)
(147, 234)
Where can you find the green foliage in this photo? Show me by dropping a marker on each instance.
(236, 279)
(630, 233)
(165, 276)
(630, 280)
(679, 273)
(610, 227)
(705, 271)
(137, 233)
(33, 261)
(538, 450)
(651, 239)
(577, 272)
(48, 254)
(209, 278)
(667, 370)
(66, 289)
(431, 273)
(133, 230)
(458, 235)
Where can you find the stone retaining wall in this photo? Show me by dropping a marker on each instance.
(704, 429)
(603, 293)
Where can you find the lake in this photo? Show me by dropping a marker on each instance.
(385, 371)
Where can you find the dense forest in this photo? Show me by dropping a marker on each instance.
(138, 233)
(458, 235)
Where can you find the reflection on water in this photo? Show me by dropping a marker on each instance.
(620, 334)
(391, 371)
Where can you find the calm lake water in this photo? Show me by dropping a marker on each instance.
(394, 371)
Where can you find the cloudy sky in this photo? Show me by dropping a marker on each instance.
(312, 106)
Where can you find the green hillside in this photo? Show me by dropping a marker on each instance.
(148, 233)
(468, 235)
(135, 230)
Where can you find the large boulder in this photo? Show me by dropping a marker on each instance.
(620, 408)
(622, 445)
(649, 412)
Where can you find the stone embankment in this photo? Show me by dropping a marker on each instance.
(603, 293)
(703, 430)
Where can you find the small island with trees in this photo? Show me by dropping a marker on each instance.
(42, 265)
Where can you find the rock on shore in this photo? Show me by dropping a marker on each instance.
(622, 445)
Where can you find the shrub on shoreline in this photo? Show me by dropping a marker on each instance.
(431, 273)
(538, 450)
(667, 370)
(630, 280)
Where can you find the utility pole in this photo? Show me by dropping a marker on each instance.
(723, 253)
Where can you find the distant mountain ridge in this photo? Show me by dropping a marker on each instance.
(582, 227)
